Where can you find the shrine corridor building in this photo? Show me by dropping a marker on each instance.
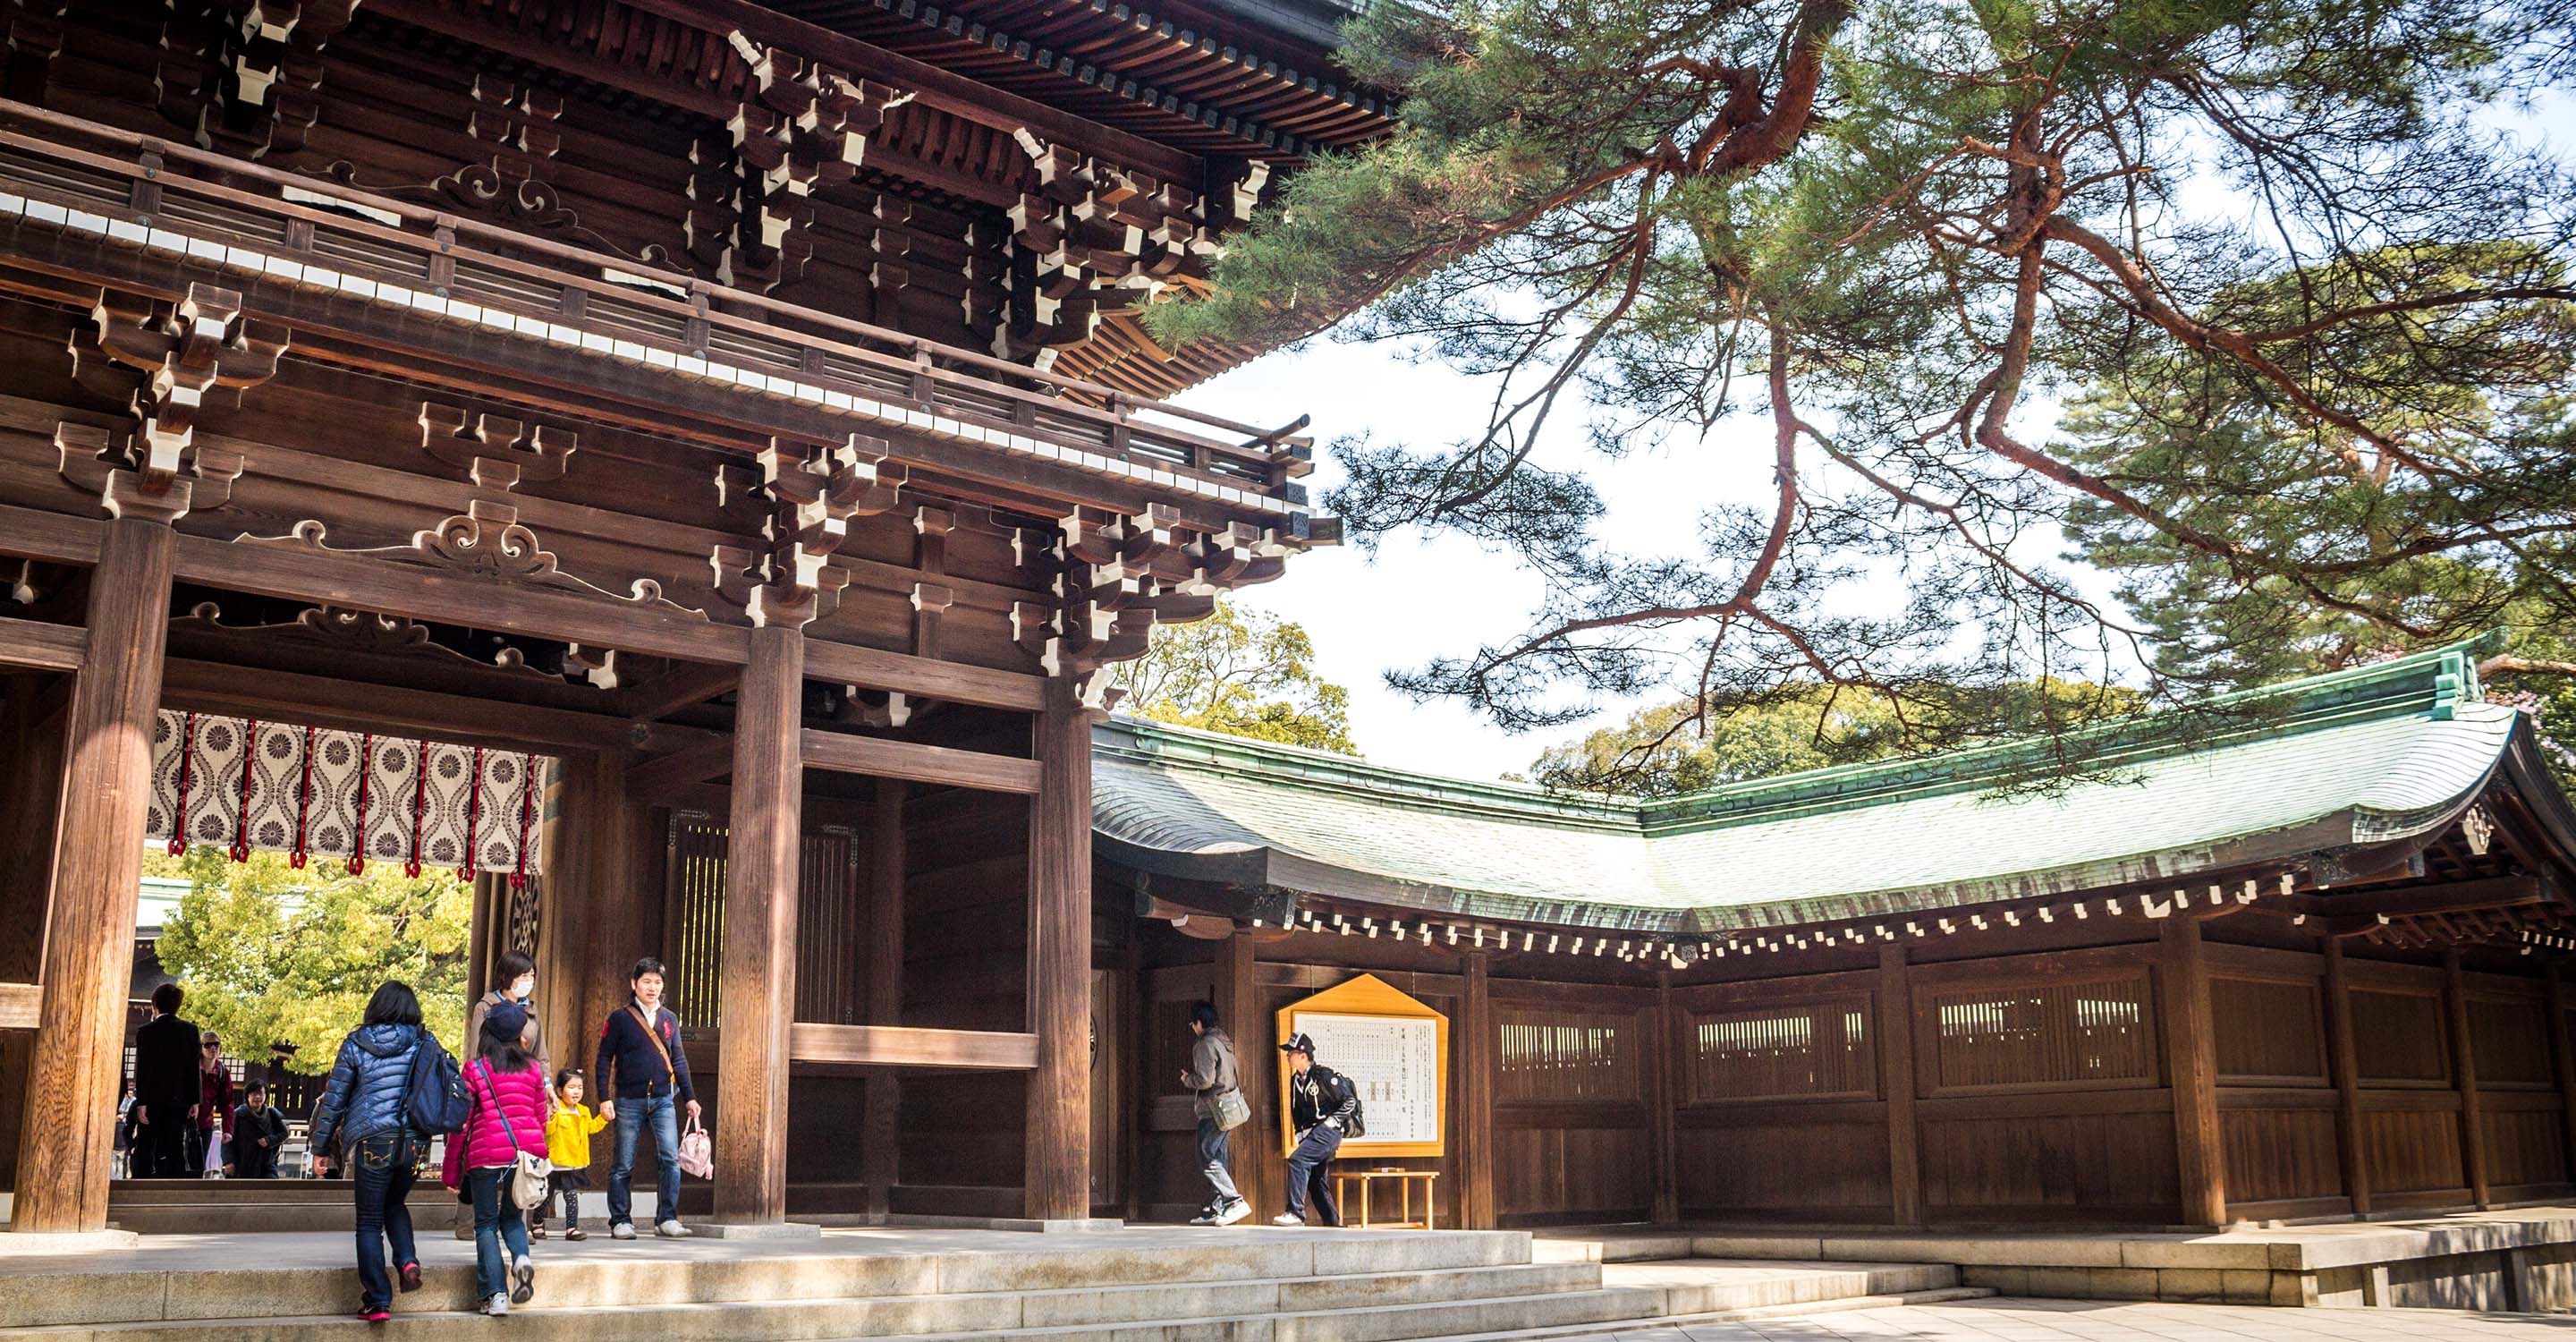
(687, 465)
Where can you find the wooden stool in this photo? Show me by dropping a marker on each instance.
(1404, 1189)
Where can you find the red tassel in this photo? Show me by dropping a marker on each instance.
(527, 818)
(241, 822)
(303, 804)
(366, 774)
(473, 816)
(187, 764)
(419, 782)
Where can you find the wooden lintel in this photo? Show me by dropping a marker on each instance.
(653, 779)
(917, 763)
(18, 1005)
(921, 677)
(2491, 892)
(46, 647)
(323, 701)
(1204, 926)
(26, 533)
(908, 1046)
(424, 593)
(684, 686)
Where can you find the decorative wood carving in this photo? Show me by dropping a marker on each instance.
(336, 630)
(1088, 235)
(802, 126)
(805, 496)
(167, 360)
(494, 451)
(485, 541)
(1109, 595)
(246, 75)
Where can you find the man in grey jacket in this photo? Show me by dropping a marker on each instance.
(1212, 1074)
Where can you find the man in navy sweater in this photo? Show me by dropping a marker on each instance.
(640, 1045)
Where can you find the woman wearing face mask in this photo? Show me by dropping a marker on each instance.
(516, 973)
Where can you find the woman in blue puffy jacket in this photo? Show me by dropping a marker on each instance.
(363, 1109)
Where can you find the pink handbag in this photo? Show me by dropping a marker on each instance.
(697, 1152)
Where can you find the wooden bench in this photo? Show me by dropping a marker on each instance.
(1404, 1180)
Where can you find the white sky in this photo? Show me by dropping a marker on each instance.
(1424, 598)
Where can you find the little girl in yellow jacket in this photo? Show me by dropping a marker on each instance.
(568, 1131)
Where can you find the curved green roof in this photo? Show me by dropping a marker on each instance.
(2359, 757)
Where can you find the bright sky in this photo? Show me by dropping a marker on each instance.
(1420, 599)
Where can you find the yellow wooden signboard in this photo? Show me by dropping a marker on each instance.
(1393, 1048)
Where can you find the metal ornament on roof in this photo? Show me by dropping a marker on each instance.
(247, 786)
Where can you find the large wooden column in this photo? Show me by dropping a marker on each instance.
(1896, 1081)
(1474, 1046)
(2191, 1062)
(2345, 1059)
(759, 975)
(2562, 1055)
(1057, 1155)
(1236, 994)
(1664, 1097)
(89, 944)
(2464, 1068)
(881, 1120)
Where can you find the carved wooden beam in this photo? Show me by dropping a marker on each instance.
(806, 496)
(801, 125)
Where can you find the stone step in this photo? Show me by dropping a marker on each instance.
(1845, 1304)
(893, 1319)
(647, 1273)
(1710, 1286)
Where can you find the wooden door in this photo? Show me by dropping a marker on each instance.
(1108, 1079)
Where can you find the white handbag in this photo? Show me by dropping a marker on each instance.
(530, 1173)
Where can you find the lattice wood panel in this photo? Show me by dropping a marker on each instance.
(2051, 1034)
(1558, 1054)
(1812, 1050)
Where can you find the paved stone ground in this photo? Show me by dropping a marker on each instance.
(2100, 1321)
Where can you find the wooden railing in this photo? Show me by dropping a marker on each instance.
(140, 184)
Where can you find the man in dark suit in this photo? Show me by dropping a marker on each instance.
(166, 1088)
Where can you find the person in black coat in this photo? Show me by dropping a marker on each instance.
(1321, 1105)
(258, 1131)
(166, 1088)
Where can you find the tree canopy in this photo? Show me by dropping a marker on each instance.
(268, 953)
(1242, 674)
(2309, 301)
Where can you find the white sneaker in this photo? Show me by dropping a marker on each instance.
(1287, 1219)
(523, 1280)
(621, 1230)
(497, 1306)
(1234, 1211)
(672, 1230)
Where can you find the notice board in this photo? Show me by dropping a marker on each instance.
(1393, 1048)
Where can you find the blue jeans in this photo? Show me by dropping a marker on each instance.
(663, 1111)
(381, 1165)
(1212, 1164)
(495, 1228)
(1309, 1174)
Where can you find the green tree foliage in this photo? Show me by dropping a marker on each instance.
(268, 953)
(2316, 305)
(1242, 674)
(1678, 747)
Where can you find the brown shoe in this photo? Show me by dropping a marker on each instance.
(576, 1233)
(536, 1232)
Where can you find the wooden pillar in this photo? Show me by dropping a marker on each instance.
(2464, 1068)
(1896, 1082)
(31, 785)
(1665, 1111)
(2562, 1057)
(759, 974)
(881, 1121)
(70, 1111)
(2344, 1057)
(2191, 1063)
(1475, 1047)
(1057, 1155)
(1235, 991)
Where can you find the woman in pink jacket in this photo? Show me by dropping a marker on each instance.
(509, 1117)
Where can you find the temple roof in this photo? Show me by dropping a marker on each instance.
(2280, 776)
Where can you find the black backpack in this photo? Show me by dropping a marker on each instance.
(436, 1101)
(1356, 1125)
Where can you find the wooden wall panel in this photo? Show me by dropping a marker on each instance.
(2269, 1031)
(2526, 1140)
(1788, 1050)
(2511, 1037)
(2412, 1149)
(1568, 1167)
(2099, 1166)
(2008, 1034)
(2401, 1032)
(2280, 1154)
(1825, 1162)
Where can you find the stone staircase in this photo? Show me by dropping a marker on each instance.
(1250, 1287)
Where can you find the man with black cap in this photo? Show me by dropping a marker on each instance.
(1321, 1104)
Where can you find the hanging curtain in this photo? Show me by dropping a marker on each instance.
(351, 797)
